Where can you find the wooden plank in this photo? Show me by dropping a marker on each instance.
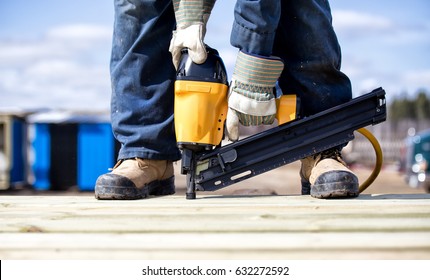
(262, 227)
(173, 215)
(181, 221)
(296, 204)
(216, 246)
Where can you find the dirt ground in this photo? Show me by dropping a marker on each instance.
(281, 181)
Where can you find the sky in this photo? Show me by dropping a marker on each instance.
(55, 54)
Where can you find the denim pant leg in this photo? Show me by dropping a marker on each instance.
(254, 26)
(142, 76)
(301, 33)
(307, 43)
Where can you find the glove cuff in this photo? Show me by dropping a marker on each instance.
(253, 80)
(188, 12)
(257, 71)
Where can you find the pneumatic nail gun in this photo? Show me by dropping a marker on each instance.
(200, 113)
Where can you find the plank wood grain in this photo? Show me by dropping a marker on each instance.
(215, 227)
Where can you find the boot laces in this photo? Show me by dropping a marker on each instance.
(333, 153)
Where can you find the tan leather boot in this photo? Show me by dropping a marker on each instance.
(325, 175)
(136, 178)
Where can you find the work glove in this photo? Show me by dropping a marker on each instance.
(191, 19)
(251, 99)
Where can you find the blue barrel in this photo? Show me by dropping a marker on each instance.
(41, 164)
(71, 154)
(96, 153)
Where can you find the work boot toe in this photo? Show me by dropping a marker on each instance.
(325, 175)
(136, 178)
(113, 186)
(335, 184)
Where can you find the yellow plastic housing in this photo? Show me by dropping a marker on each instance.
(286, 108)
(200, 112)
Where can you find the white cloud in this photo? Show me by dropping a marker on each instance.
(352, 22)
(61, 41)
(382, 51)
(80, 32)
(418, 79)
(395, 83)
(362, 27)
(66, 68)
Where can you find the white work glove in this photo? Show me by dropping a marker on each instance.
(191, 19)
(251, 100)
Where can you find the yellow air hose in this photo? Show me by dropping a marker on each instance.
(379, 158)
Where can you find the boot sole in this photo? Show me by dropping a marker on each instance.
(335, 191)
(156, 188)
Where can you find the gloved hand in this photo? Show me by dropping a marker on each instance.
(191, 19)
(251, 100)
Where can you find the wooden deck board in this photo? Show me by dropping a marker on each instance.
(215, 227)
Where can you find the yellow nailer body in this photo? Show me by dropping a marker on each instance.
(200, 101)
(200, 107)
(200, 112)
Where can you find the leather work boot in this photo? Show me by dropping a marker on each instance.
(136, 178)
(325, 175)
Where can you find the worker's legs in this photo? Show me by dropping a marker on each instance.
(142, 77)
(307, 43)
(301, 33)
(254, 26)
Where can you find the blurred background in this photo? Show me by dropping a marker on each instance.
(55, 88)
